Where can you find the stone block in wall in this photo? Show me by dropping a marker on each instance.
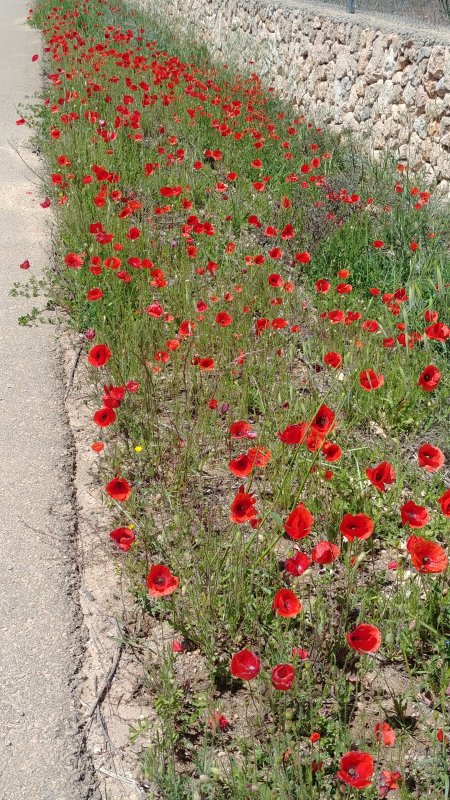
(444, 126)
(407, 76)
(421, 100)
(354, 39)
(323, 54)
(420, 126)
(436, 64)
(441, 161)
(342, 90)
(345, 64)
(422, 54)
(443, 84)
(374, 69)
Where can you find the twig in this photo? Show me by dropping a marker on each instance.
(15, 148)
(123, 779)
(73, 370)
(102, 722)
(107, 681)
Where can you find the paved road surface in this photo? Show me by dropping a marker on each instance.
(39, 636)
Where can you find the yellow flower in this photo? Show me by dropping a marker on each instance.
(138, 448)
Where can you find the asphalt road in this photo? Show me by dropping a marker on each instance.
(40, 641)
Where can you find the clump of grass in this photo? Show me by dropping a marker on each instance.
(237, 272)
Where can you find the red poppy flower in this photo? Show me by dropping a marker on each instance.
(279, 323)
(73, 261)
(169, 191)
(364, 638)
(160, 582)
(427, 556)
(299, 522)
(323, 422)
(113, 396)
(371, 326)
(99, 355)
(325, 553)
(332, 452)
(385, 733)
(298, 563)
(155, 310)
(94, 294)
(286, 603)
(413, 515)
(356, 769)
(430, 458)
(259, 456)
(314, 440)
(356, 526)
(283, 676)
(444, 502)
(113, 263)
(245, 665)
(186, 328)
(25, 264)
(223, 319)
(104, 417)
(262, 324)
(389, 782)
(381, 476)
(369, 380)
(303, 258)
(336, 316)
(243, 508)
(97, 447)
(241, 466)
(275, 280)
(242, 430)
(206, 364)
(333, 360)
(293, 434)
(352, 316)
(123, 537)
(287, 232)
(119, 489)
(276, 253)
(300, 653)
(323, 286)
(438, 331)
(429, 378)
(219, 721)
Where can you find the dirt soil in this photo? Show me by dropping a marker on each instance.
(110, 618)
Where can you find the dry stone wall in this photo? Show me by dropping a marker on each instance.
(372, 75)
